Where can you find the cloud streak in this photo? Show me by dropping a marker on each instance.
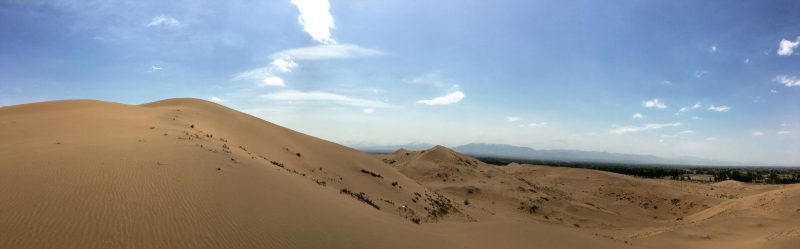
(721, 108)
(646, 127)
(654, 103)
(787, 80)
(326, 98)
(327, 52)
(164, 21)
(452, 98)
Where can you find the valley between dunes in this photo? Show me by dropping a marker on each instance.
(187, 173)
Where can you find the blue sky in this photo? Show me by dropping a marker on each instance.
(714, 79)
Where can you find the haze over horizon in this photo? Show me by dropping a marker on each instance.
(663, 78)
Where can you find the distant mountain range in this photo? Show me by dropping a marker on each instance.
(526, 153)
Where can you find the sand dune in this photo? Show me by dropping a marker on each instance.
(187, 173)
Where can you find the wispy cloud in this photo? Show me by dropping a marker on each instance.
(155, 69)
(272, 81)
(316, 18)
(782, 132)
(686, 132)
(713, 49)
(164, 21)
(695, 118)
(326, 98)
(284, 64)
(757, 133)
(786, 47)
(327, 52)
(215, 99)
(646, 127)
(689, 108)
(747, 61)
(513, 119)
(535, 125)
(787, 80)
(711, 139)
(637, 116)
(369, 110)
(451, 98)
(654, 103)
(721, 108)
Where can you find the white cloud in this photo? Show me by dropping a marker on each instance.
(634, 129)
(722, 108)
(258, 73)
(325, 97)
(513, 119)
(786, 47)
(711, 139)
(164, 21)
(686, 132)
(155, 69)
(787, 80)
(782, 132)
(689, 108)
(215, 99)
(316, 18)
(785, 125)
(637, 116)
(452, 98)
(695, 118)
(654, 103)
(713, 49)
(773, 91)
(535, 125)
(757, 133)
(327, 52)
(747, 61)
(284, 64)
(369, 110)
(272, 81)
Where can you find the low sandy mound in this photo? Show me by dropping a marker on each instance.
(729, 184)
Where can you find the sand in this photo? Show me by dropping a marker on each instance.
(188, 173)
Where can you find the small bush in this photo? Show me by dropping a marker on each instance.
(373, 174)
(361, 196)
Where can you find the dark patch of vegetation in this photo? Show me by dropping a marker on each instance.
(361, 196)
(768, 175)
(192, 126)
(321, 182)
(276, 163)
(298, 154)
(373, 174)
(219, 169)
(416, 220)
(394, 184)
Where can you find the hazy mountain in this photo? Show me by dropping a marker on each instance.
(526, 153)
(518, 152)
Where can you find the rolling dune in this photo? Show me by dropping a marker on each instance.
(187, 173)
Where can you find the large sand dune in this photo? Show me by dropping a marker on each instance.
(187, 173)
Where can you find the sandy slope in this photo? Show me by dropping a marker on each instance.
(649, 213)
(186, 173)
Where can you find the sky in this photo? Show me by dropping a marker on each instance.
(713, 79)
